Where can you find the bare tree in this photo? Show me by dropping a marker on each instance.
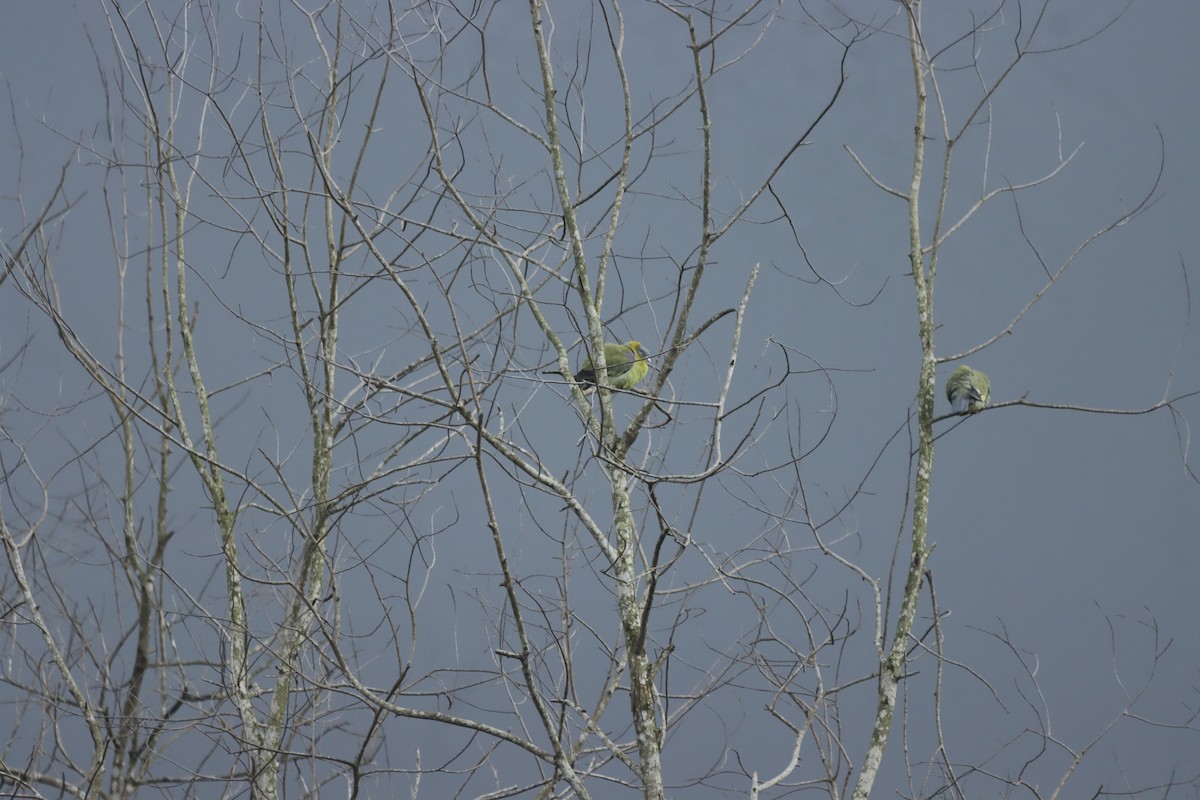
(324, 510)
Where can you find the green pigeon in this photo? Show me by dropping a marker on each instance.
(968, 389)
(626, 365)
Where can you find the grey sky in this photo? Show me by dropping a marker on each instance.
(1047, 522)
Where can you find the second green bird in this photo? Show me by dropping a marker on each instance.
(968, 389)
(626, 365)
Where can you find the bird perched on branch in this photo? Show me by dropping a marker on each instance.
(626, 365)
(968, 389)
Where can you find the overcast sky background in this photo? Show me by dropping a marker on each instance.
(1047, 523)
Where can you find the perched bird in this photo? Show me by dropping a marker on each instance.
(626, 365)
(968, 389)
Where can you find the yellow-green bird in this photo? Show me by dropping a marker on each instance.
(968, 389)
(626, 365)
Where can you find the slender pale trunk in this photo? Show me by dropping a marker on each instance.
(892, 664)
